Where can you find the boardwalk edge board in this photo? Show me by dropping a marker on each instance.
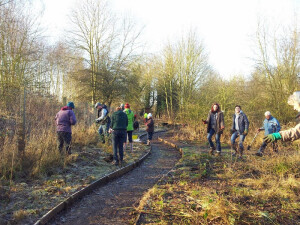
(137, 221)
(86, 190)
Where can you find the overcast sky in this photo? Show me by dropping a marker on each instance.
(227, 27)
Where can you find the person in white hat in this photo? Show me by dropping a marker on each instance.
(149, 128)
(271, 125)
(292, 133)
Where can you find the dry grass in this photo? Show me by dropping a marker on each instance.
(219, 190)
(40, 155)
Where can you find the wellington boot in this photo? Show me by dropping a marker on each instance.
(211, 150)
(241, 150)
(131, 146)
(233, 149)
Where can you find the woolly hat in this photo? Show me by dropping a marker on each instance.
(127, 106)
(97, 104)
(71, 105)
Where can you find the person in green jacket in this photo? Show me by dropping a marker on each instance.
(130, 116)
(145, 117)
(119, 123)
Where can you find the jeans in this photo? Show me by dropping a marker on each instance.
(64, 138)
(218, 137)
(103, 131)
(234, 136)
(118, 137)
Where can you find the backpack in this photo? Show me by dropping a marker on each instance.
(136, 125)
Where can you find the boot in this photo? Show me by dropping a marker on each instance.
(131, 146)
(233, 149)
(275, 147)
(211, 150)
(68, 150)
(260, 152)
(241, 150)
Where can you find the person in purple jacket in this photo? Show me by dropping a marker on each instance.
(64, 119)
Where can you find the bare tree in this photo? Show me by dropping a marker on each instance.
(107, 46)
(278, 61)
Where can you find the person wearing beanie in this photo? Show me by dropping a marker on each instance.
(130, 116)
(291, 134)
(149, 128)
(64, 119)
(119, 123)
(122, 106)
(104, 121)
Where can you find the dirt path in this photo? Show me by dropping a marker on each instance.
(112, 203)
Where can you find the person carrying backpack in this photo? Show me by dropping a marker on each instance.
(64, 119)
(103, 119)
(130, 116)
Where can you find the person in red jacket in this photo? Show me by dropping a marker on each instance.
(64, 119)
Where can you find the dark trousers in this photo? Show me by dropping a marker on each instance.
(64, 138)
(129, 135)
(118, 137)
(149, 135)
(264, 145)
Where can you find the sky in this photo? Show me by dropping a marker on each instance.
(226, 27)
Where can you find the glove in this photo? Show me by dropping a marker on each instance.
(245, 132)
(272, 137)
(97, 121)
(204, 121)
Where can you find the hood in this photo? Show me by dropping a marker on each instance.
(127, 111)
(66, 108)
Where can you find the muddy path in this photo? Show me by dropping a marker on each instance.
(114, 202)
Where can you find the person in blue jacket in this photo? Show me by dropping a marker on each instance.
(270, 126)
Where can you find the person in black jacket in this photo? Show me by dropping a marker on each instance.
(240, 126)
(149, 128)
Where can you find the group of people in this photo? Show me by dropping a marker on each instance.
(240, 127)
(121, 125)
